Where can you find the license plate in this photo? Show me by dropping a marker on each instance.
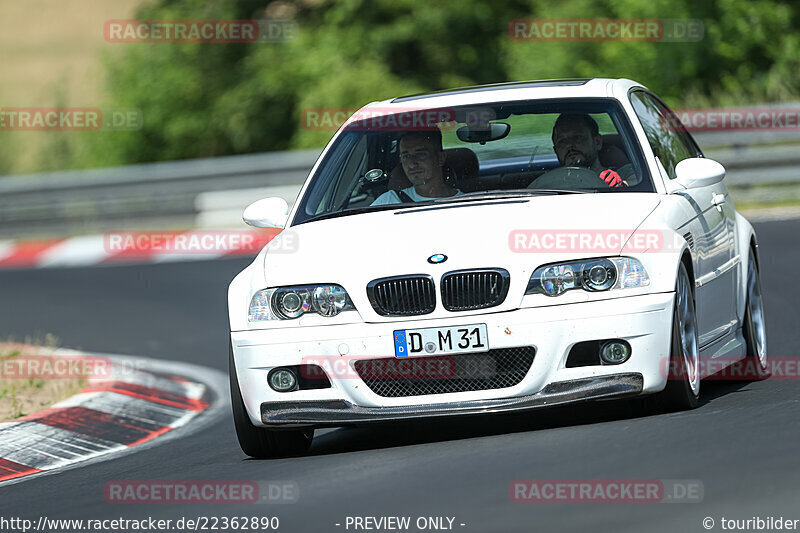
(441, 341)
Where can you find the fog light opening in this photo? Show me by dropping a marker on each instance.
(282, 380)
(615, 352)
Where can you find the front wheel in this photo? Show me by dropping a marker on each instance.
(259, 442)
(683, 376)
(754, 366)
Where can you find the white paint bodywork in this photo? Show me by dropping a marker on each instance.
(354, 250)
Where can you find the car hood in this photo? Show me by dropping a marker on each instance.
(353, 250)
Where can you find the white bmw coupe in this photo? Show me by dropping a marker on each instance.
(489, 249)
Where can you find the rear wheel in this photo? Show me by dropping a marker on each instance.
(754, 366)
(261, 442)
(683, 378)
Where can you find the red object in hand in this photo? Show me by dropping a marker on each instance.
(611, 177)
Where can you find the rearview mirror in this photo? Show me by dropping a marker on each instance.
(267, 213)
(698, 172)
(482, 133)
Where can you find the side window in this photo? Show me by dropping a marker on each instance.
(664, 132)
(331, 174)
(353, 169)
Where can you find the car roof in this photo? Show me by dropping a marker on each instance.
(505, 92)
(495, 86)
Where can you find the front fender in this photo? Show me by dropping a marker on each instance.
(744, 236)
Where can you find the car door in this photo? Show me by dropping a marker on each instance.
(710, 229)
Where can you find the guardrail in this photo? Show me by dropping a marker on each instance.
(153, 195)
(213, 192)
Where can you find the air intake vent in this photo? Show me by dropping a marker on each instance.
(418, 376)
(402, 295)
(689, 240)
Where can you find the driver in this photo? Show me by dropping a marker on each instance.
(577, 143)
(422, 159)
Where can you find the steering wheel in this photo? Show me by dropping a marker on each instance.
(356, 192)
(568, 178)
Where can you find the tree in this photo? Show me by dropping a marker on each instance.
(204, 100)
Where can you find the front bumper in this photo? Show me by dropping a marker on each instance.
(340, 412)
(644, 321)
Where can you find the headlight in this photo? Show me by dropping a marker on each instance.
(329, 300)
(286, 303)
(599, 276)
(592, 275)
(291, 303)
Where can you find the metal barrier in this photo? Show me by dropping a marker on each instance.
(153, 195)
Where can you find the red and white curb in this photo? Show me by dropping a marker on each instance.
(159, 247)
(189, 245)
(138, 401)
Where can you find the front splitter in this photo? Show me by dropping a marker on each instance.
(331, 413)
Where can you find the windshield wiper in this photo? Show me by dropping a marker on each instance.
(510, 193)
(467, 197)
(354, 211)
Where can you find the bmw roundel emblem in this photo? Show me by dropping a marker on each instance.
(435, 259)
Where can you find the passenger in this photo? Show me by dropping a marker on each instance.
(422, 159)
(577, 143)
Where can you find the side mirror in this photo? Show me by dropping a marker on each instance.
(698, 172)
(267, 213)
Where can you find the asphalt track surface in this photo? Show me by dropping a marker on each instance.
(741, 443)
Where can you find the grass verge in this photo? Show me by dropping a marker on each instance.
(23, 392)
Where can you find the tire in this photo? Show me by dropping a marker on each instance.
(754, 367)
(259, 442)
(683, 379)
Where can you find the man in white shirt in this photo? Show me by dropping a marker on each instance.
(422, 159)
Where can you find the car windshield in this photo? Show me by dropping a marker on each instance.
(412, 156)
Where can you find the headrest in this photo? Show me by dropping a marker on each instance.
(612, 154)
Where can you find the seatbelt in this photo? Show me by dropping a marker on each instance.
(405, 198)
